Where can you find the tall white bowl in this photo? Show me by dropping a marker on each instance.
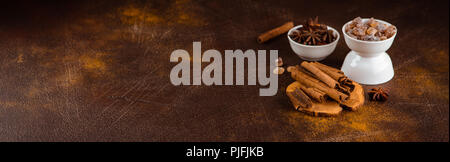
(367, 62)
(313, 53)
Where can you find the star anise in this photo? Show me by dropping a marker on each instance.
(378, 94)
(312, 37)
(314, 24)
(296, 36)
(313, 33)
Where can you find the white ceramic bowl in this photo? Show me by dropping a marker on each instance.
(313, 53)
(368, 63)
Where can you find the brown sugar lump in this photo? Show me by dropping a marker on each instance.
(369, 30)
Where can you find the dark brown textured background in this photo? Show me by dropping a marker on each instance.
(99, 71)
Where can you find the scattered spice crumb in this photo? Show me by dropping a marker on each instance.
(278, 70)
(20, 58)
(279, 62)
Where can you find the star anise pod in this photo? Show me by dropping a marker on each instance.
(378, 94)
(296, 35)
(313, 33)
(314, 24)
(312, 37)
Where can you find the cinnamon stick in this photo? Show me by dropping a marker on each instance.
(345, 84)
(332, 72)
(320, 74)
(299, 99)
(314, 93)
(301, 72)
(275, 32)
(312, 82)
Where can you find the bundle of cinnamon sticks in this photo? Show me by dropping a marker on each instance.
(316, 84)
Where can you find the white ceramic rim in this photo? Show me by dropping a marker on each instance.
(310, 46)
(380, 41)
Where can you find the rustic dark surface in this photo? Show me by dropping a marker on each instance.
(99, 71)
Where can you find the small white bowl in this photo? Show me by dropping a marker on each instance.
(367, 62)
(313, 53)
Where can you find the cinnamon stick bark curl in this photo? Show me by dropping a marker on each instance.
(275, 32)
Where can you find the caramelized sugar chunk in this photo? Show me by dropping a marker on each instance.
(371, 30)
